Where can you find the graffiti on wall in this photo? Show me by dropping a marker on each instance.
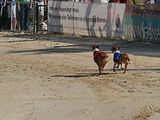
(105, 20)
(98, 20)
(142, 23)
(145, 32)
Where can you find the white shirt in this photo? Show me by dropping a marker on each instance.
(96, 49)
(117, 51)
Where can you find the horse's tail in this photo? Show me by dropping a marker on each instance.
(128, 60)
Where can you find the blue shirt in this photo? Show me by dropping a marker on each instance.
(116, 56)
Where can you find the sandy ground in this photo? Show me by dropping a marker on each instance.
(47, 77)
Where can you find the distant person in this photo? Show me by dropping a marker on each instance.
(8, 20)
(24, 6)
(117, 22)
(2, 3)
(13, 10)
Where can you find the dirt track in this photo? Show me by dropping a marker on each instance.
(54, 78)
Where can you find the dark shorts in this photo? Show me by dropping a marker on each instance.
(115, 60)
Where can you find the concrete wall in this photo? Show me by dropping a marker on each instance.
(105, 20)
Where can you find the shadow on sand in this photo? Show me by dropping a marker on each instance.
(83, 44)
(81, 75)
(109, 72)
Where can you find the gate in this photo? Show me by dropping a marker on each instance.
(41, 15)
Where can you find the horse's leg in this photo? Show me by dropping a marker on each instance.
(114, 67)
(99, 68)
(103, 65)
(117, 65)
(121, 66)
(125, 69)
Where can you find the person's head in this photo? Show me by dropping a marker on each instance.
(95, 46)
(114, 48)
(118, 48)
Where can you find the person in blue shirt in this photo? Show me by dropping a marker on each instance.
(116, 57)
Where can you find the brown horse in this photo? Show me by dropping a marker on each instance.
(100, 57)
(124, 58)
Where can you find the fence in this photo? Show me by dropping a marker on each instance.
(41, 17)
(36, 17)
